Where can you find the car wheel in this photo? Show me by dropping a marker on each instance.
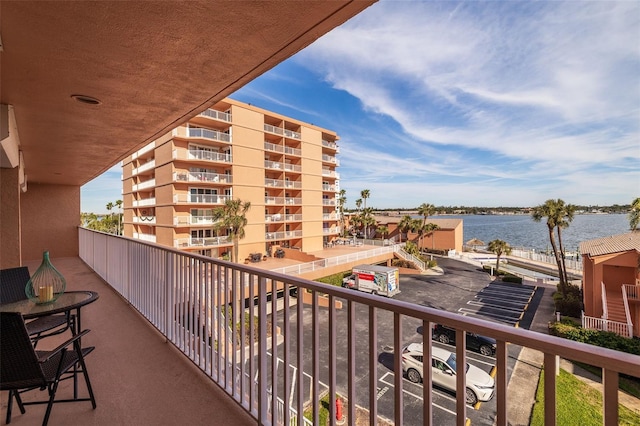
(472, 399)
(443, 338)
(413, 375)
(486, 350)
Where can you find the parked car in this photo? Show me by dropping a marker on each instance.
(475, 342)
(480, 385)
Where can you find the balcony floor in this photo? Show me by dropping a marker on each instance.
(137, 378)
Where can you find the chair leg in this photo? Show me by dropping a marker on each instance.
(86, 379)
(9, 405)
(19, 401)
(52, 394)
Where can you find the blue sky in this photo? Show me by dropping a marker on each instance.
(467, 103)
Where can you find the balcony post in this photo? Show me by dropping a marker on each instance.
(610, 397)
(549, 389)
(397, 360)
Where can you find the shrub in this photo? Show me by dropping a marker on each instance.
(569, 329)
(512, 279)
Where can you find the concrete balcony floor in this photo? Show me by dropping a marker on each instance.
(137, 378)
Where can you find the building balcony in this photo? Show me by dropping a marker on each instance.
(282, 132)
(191, 220)
(328, 188)
(144, 219)
(285, 235)
(268, 146)
(277, 217)
(331, 145)
(297, 201)
(202, 177)
(216, 115)
(145, 237)
(149, 165)
(144, 185)
(181, 299)
(330, 159)
(201, 155)
(144, 150)
(330, 173)
(200, 198)
(202, 242)
(144, 202)
(328, 202)
(329, 216)
(330, 231)
(207, 134)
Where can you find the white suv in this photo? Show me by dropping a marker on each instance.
(480, 385)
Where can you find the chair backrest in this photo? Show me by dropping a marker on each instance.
(13, 282)
(19, 366)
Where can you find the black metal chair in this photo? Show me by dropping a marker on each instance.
(23, 368)
(12, 289)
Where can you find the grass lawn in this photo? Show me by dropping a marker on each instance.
(577, 404)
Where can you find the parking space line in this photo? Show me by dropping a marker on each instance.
(501, 299)
(417, 396)
(511, 296)
(498, 307)
(500, 318)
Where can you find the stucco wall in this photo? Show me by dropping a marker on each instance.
(50, 220)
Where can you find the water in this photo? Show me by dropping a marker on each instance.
(521, 231)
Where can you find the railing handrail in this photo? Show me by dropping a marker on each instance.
(625, 300)
(411, 258)
(165, 279)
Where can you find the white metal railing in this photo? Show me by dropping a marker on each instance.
(632, 291)
(291, 134)
(145, 237)
(201, 242)
(273, 165)
(194, 220)
(284, 235)
(273, 129)
(144, 185)
(329, 231)
(530, 254)
(148, 147)
(627, 313)
(144, 202)
(330, 173)
(280, 183)
(278, 217)
(328, 202)
(186, 295)
(143, 168)
(201, 154)
(202, 177)
(201, 198)
(331, 188)
(411, 258)
(144, 219)
(328, 144)
(200, 133)
(283, 200)
(218, 115)
(602, 324)
(292, 167)
(283, 149)
(289, 150)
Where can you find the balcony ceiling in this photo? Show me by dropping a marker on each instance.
(152, 65)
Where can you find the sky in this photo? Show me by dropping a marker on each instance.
(467, 103)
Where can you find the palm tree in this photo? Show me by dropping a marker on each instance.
(119, 205)
(383, 230)
(428, 229)
(404, 225)
(554, 211)
(499, 247)
(634, 215)
(110, 207)
(425, 210)
(232, 217)
(342, 199)
(358, 204)
(563, 222)
(367, 220)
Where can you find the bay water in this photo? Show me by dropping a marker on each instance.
(520, 231)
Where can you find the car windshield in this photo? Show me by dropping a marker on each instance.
(452, 363)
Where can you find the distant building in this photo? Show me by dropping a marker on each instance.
(284, 167)
(611, 283)
(449, 236)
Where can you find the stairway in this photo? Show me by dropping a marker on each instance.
(615, 307)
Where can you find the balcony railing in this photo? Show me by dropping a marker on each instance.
(328, 202)
(280, 131)
(202, 242)
(193, 220)
(214, 135)
(201, 154)
(144, 202)
(145, 237)
(144, 185)
(268, 146)
(217, 115)
(202, 177)
(143, 150)
(285, 235)
(144, 219)
(201, 198)
(283, 200)
(143, 168)
(186, 297)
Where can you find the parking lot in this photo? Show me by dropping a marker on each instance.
(463, 288)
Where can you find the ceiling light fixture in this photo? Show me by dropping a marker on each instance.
(86, 99)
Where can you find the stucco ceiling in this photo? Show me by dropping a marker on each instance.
(152, 65)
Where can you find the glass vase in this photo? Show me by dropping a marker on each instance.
(46, 284)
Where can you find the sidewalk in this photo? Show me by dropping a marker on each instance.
(524, 378)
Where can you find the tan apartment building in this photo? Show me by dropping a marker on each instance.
(285, 168)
